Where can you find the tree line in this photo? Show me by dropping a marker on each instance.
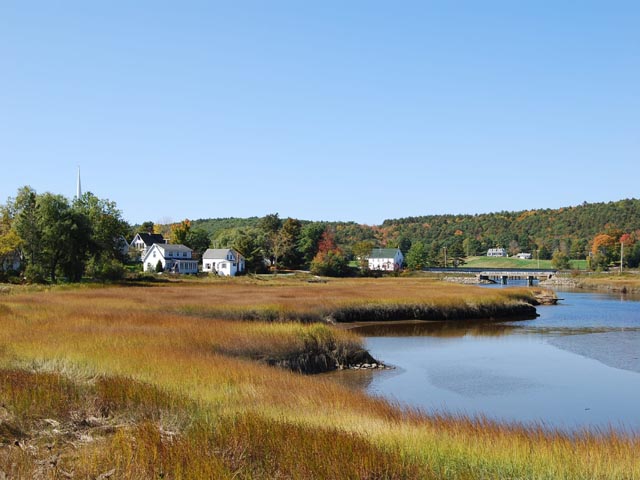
(47, 237)
(52, 238)
(559, 235)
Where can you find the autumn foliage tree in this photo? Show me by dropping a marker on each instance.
(330, 261)
(603, 251)
(180, 232)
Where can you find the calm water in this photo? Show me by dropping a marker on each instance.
(576, 366)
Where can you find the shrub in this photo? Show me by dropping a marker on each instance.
(330, 264)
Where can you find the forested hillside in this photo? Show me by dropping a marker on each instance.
(575, 232)
(570, 228)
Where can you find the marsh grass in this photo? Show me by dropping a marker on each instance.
(119, 381)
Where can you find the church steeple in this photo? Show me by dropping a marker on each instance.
(78, 186)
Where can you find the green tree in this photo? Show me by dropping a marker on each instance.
(362, 250)
(198, 240)
(470, 246)
(270, 223)
(107, 226)
(417, 257)
(64, 237)
(146, 227)
(310, 235)
(404, 244)
(26, 224)
(560, 260)
(278, 244)
(291, 229)
(250, 245)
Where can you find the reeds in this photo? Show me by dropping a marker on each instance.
(118, 381)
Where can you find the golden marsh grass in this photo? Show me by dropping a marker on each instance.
(133, 382)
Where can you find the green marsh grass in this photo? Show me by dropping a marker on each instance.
(123, 381)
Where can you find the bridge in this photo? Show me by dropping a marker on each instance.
(502, 275)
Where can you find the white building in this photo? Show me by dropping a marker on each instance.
(387, 259)
(143, 241)
(223, 261)
(174, 258)
(497, 252)
(524, 256)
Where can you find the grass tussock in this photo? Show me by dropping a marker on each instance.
(117, 382)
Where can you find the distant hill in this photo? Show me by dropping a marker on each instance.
(215, 225)
(570, 228)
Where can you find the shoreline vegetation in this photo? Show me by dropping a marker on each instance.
(627, 282)
(155, 382)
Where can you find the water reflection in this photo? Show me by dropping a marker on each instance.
(412, 328)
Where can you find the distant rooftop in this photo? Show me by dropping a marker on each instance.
(383, 253)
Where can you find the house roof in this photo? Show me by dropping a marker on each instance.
(171, 247)
(384, 252)
(218, 253)
(164, 248)
(150, 238)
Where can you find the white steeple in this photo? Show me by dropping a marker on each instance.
(78, 186)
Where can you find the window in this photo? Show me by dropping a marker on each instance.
(154, 254)
(207, 265)
(184, 254)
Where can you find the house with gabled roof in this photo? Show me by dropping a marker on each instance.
(173, 258)
(143, 241)
(223, 261)
(386, 259)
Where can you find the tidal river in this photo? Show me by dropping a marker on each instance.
(576, 366)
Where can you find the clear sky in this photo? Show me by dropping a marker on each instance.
(326, 110)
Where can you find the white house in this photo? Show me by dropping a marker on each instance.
(497, 252)
(174, 258)
(524, 256)
(144, 241)
(223, 261)
(388, 259)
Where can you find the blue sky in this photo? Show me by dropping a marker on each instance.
(332, 110)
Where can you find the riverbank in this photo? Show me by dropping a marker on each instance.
(124, 382)
(607, 282)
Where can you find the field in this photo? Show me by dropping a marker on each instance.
(177, 380)
(512, 262)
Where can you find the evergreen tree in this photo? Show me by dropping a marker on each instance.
(417, 257)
